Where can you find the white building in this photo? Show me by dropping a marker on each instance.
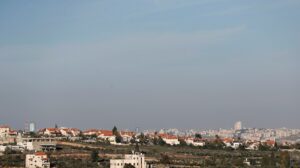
(170, 139)
(127, 135)
(238, 126)
(4, 131)
(136, 159)
(69, 132)
(194, 142)
(37, 160)
(32, 127)
(37, 144)
(107, 135)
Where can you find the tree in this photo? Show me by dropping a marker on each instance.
(143, 139)
(133, 140)
(165, 159)
(33, 134)
(137, 148)
(284, 159)
(95, 155)
(128, 165)
(161, 142)
(199, 136)
(116, 133)
(155, 141)
(182, 142)
(115, 130)
(263, 147)
(119, 138)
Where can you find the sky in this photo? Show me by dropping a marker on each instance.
(150, 63)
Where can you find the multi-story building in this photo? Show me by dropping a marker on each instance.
(238, 125)
(37, 144)
(37, 160)
(4, 131)
(136, 159)
(31, 127)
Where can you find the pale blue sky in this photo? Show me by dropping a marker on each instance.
(150, 63)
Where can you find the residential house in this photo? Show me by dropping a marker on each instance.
(136, 159)
(170, 139)
(37, 160)
(107, 135)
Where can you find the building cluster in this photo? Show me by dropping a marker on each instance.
(46, 139)
(250, 134)
(109, 136)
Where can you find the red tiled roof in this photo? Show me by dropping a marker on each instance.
(52, 129)
(168, 136)
(128, 133)
(106, 132)
(227, 140)
(40, 153)
(4, 126)
(270, 142)
(90, 130)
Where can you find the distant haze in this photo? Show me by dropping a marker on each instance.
(150, 63)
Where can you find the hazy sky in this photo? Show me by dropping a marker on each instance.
(150, 63)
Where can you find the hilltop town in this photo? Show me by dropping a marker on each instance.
(72, 147)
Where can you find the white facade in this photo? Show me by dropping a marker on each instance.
(2, 148)
(137, 160)
(4, 131)
(37, 144)
(238, 125)
(31, 127)
(171, 141)
(110, 138)
(37, 160)
(191, 141)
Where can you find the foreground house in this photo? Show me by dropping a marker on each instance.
(136, 159)
(37, 160)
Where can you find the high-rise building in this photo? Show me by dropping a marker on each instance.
(238, 125)
(31, 127)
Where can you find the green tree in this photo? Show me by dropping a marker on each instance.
(155, 141)
(160, 141)
(115, 130)
(182, 142)
(95, 156)
(165, 159)
(119, 138)
(116, 133)
(128, 166)
(284, 159)
(263, 147)
(198, 136)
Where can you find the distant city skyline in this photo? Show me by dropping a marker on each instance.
(150, 64)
